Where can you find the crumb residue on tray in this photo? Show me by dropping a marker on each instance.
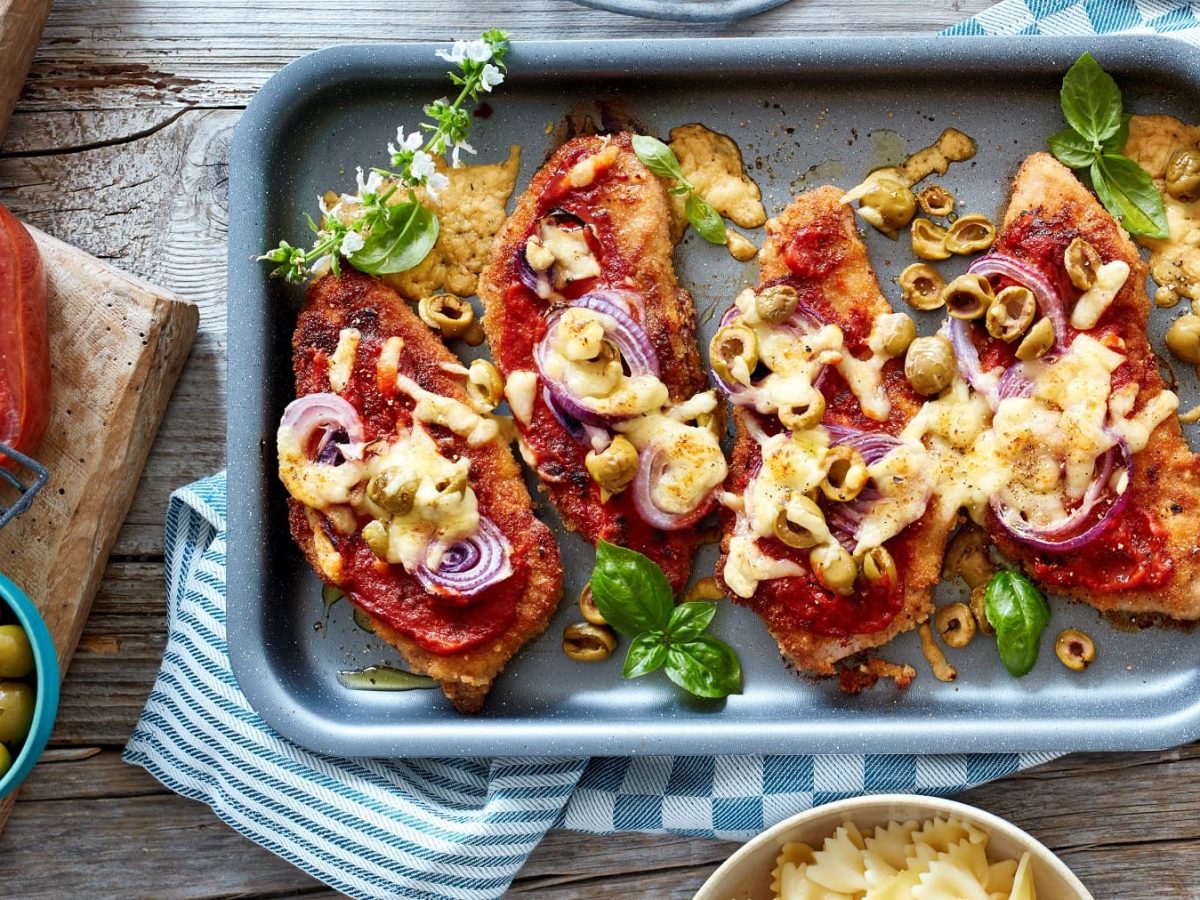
(712, 162)
(1174, 262)
(471, 212)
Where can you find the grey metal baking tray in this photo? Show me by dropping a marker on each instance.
(804, 112)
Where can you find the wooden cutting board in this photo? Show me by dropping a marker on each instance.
(117, 345)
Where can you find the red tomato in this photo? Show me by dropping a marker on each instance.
(24, 339)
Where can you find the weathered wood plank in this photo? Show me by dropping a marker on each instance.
(155, 53)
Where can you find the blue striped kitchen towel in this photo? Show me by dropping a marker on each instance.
(430, 829)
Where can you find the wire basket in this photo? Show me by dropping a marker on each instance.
(24, 487)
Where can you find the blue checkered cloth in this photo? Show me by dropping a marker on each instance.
(446, 828)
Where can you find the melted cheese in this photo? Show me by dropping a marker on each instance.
(439, 515)
(746, 566)
(694, 466)
(388, 365)
(316, 486)
(904, 479)
(564, 248)
(792, 464)
(520, 390)
(584, 172)
(341, 364)
(449, 413)
(865, 378)
(1110, 278)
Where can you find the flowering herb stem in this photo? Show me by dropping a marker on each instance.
(374, 232)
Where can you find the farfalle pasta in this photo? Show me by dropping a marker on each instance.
(937, 859)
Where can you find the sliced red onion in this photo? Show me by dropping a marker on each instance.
(1015, 382)
(471, 565)
(341, 428)
(1023, 272)
(627, 335)
(873, 445)
(844, 519)
(967, 358)
(651, 465)
(1064, 536)
(583, 433)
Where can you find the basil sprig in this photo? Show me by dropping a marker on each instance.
(1099, 127)
(633, 594)
(1019, 613)
(660, 159)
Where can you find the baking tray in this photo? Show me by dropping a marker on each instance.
(804, 112)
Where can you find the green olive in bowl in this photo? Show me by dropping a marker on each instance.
(16, 653)
(16, 711)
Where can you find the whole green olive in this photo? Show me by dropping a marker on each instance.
(1183, 174)
(834, 567)
(16, 711)
(1183, 338)
(894, 332)
(393, 491)
(1082, 261)
(375, 536)
(929, 364)
(889, 205)
(613, 469)
(1012, 313)
(16, 655)
(776, 304)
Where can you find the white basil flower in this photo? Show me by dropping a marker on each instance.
(370, 185)
(436, 183)
(460, 146)
(456, 54)
(490, 77)
(422, 166)
(352, 243)
(478, 51)
(322, 265)
(411, 143)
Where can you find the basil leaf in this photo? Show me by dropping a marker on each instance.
(706, 667)
(331, 595)
(1116, 143)
(398, 240)
(1091, 100)
(646, 654)
(657, 157)
(706, 220)
(1072, 150)
(688, 620)
(1019, 614)
(1127, 192)
(631, 592)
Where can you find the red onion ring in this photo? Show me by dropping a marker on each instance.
(341, 428)
(873, 445)
(581, 432)
(844, 519)
(469, 566)
(651, 464)
(1050, 539)
(627, 335)
(1015, 382)
(1023, 272)
(967, 358)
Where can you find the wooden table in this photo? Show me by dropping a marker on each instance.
(120, 146)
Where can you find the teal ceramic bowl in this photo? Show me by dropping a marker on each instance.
(46, 683)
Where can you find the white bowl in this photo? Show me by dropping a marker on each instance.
(747, 874)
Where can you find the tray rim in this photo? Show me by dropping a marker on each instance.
(865, 57)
